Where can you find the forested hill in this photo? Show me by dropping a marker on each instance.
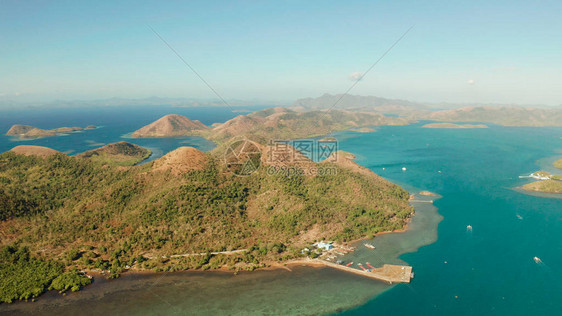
(85, 215)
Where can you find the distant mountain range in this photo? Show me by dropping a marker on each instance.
(326, 101)
(372, 103)
(178, 102)
(394, 106)
(504, 115)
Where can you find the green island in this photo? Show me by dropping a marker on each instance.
(546, 186)
(30, 132)
(548, 183)
(558, 164)
(62, 215)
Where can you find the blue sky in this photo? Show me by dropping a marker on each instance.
(474, 51)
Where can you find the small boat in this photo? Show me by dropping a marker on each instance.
(370, 246)
(370, 266)
(537, 259)
(362, 267)
(519, 216)
(403, 168)
(468, 228)
(347, 265)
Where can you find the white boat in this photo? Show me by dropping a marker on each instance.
(468, 228)
(370, 246)
(537, 259)
(403, 168)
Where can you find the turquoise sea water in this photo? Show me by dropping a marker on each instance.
(114, 123)
(491, 269)
(487, 271)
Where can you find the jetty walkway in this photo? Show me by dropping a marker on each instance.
(390, 273)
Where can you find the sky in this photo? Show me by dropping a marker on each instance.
(461, 52)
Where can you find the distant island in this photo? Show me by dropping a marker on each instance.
(363, 130)
(27, 131)
(274, 123)
(558, 164)
(452, 125)
(547, 183)
(171, 125)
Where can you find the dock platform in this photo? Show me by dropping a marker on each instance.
(390, 273)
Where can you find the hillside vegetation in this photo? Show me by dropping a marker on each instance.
(84, 215)
(23, 277)
(117, 154)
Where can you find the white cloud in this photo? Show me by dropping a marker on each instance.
(355, 76)
(471, 82)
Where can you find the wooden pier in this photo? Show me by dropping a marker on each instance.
(390, 273)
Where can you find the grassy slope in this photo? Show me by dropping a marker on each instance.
(117, 154)
(558, 164)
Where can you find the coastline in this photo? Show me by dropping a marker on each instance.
(277, 265)
(269, 265)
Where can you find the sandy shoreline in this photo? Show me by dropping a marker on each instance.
(270, 265)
